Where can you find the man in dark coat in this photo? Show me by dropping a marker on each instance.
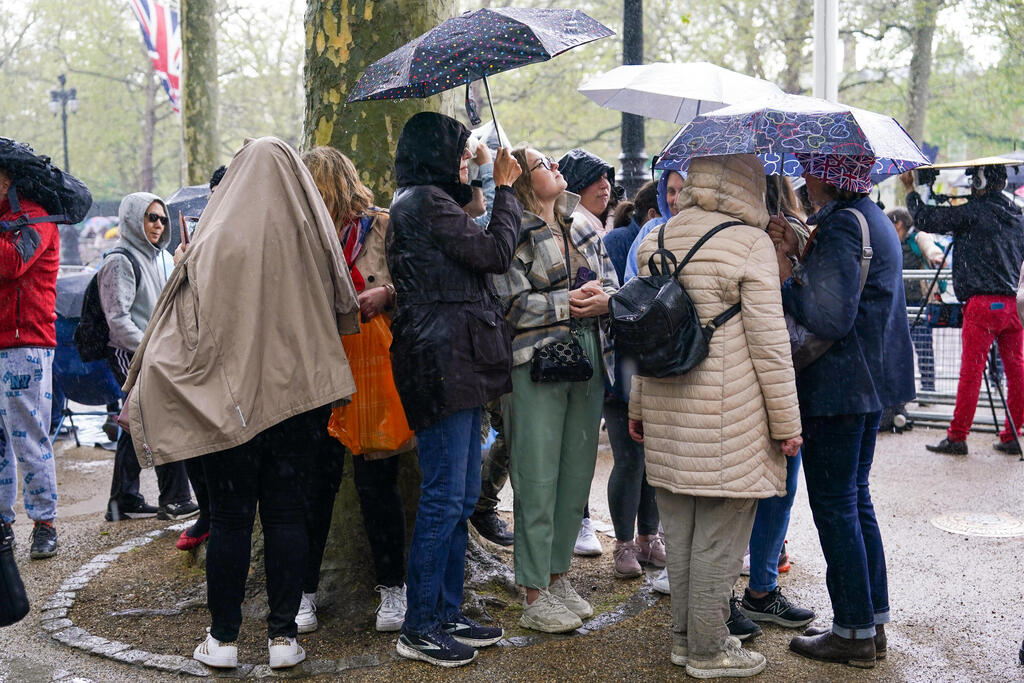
(988, 235)
(451, 354)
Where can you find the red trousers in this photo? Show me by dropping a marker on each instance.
(989, 318)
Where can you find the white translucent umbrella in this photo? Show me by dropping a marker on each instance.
(674, 92)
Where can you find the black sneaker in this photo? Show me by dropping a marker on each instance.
(492, 527)
(44, 541)
(437, 648)
(7, 535)
(949, 447)
(178, 510)
(1008, 447)
(136, 509)
(739, 625)
(468, 632)
(776, 608)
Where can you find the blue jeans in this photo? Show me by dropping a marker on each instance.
(769, 533)
(449, 455)
(838, 451)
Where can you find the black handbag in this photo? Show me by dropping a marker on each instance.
(13, 599)
(562, 360)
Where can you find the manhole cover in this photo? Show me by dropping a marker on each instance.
(993, 525)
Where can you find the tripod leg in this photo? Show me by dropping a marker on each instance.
(988, 390)
(1002, 397)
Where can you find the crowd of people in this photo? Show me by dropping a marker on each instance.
(494, 270)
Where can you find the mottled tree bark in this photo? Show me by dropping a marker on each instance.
(922, 31)
(199, 88)
(145, 183)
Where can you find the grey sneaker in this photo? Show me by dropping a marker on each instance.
(563, 590)
(732, 662)
(680, 655)
(549, 615)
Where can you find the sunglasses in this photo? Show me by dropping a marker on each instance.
(546, 162)
(154, 217)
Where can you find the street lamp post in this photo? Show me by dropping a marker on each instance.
(62, 100)
(633, 158)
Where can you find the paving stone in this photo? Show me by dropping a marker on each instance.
(194, 668)
(74, 583)
(111, 648)
(314, 667)
(263, 671)
(54, 613)
(98, 566)
(131, 656)
(137, 542)
(56, 625)
(55, 602)
(172, 663)
(358, 662)
(240, 671)
(120, 550)
(105, 557)
(69, 634)
(88, 642)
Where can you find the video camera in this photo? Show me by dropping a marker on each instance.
(928, 176)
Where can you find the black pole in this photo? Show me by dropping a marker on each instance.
(633, 157)
(64, 122)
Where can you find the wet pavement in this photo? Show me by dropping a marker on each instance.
(956, 599)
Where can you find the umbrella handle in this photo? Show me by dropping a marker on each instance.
(497, 128)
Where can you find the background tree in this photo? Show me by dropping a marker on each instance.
(199, 92)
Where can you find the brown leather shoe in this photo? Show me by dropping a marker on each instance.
(828, 647)
(880, 641)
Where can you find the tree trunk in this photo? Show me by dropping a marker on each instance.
(199, 93)
(342, 39)
(921, 33)
(149, 131)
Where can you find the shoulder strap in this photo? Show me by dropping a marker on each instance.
(865, 245)
(700, 243)
(136, 269)
(12, 199)
(664, 253)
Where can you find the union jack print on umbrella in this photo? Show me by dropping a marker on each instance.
(162, 32)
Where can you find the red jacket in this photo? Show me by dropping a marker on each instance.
(28, 284)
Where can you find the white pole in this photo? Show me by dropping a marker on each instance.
(826, 49)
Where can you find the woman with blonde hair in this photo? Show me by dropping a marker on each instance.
(362, 228)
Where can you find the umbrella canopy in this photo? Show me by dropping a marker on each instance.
(778, 128)
(674, 92)
(472, 46)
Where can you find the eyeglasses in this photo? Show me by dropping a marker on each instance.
(546, 162)
(154, 217)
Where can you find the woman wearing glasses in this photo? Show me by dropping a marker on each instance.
(556, 290)
(130, 281)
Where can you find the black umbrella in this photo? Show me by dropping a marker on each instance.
(186, 201)
(472, 46)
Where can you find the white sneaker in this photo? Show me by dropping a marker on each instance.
(306, 618)
(563, 590)
(660, 582)
(745, 570)
(587, 544)
(285, 652)
(391, 611)
(212, 652)
(549, 615)
(732, 662)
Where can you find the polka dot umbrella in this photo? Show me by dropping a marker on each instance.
(472, 46)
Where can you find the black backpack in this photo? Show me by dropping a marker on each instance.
(63, 195)
(93, 334)
(654, 321)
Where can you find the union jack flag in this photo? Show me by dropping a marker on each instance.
(161, 30)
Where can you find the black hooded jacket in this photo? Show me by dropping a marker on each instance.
(452, 347)
(581, 169)
(989, 241)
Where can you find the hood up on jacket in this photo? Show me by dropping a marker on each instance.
(732, 184)
(663, 208)
(581, 169)
(429, 152)
(131, 215)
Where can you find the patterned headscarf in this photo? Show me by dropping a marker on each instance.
(845, 172)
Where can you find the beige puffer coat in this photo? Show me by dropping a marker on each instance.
(714, 431)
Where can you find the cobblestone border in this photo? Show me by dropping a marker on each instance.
(56, 623)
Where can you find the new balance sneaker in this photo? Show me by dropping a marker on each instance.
(437, 648)
(44, 541)
(626, 565)
(563, 590)
(738, 624)
(660, 583)
(732, 662)
(651, 551)
(212, 652)
(285, 652)
(587, 544)
(178, 510)
(134, 509)
(468, 632)
(306, 617)
(776, 608)
(391, 610)
(549, 615)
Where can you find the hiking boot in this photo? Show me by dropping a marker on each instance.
(626, 565)
(738, 624)
(563, 590)
(285, 652)
(178, 510)
(391, 610)
(212, 652)
(881, 645)
(828, 647)
(305, 619)
(44, 540)
(587, 544)
(492, 527)
(1008, 447)
(776, 608)
(134, 509)
(732, 662)
(437, 648)
(468, 632)
(651, 551)
(549, 615)
(660, 583)
(784, 564)
(949, 447)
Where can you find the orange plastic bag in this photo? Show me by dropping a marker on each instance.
(374, 420)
